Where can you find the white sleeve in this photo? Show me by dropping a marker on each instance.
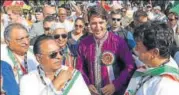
(166, 86)
(31, 85)
(79, 87)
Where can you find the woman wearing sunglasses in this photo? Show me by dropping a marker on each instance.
(61, 36)
(76, 35)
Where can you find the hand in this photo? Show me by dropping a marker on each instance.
(62, 78)
(93, 90)
(108, 89)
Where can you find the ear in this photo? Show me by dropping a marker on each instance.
(38, 57)
(7, 42)
(155, 52)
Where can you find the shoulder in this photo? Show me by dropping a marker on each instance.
(5, 65)
(164, 84)
(87, 40)
(160, 85)
(38, 23)
(31, 78)
(115, 38)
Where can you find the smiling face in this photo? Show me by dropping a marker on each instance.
(48, 48)
(47, 25)
(98, 26)
(62, 14)
(61, 37)
(19, 41)
(79, 26)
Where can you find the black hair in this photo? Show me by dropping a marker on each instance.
(79, 18)
(49, 19)
(173, 13)
(139, 14)
(39, 9)
(97, 11)
(155, 34)
(36, 47)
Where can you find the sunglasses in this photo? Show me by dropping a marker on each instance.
(54, 54)
(46, 28)
(170, 19)
(114, 19)
(54, 15)
(80, 26)
(57, 36)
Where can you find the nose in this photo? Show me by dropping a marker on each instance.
(98, 26)
(59, 56)
(26, 41)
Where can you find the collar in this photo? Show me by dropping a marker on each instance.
(42, 72)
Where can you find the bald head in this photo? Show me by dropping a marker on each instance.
(48, 10)
(62, 14)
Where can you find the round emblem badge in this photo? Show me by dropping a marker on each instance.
(107, 58)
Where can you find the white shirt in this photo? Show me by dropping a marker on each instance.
(31, 61)
(157, 85)
(31, 84)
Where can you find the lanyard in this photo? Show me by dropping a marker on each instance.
(67, 57)
(21, 70)
(41, 77)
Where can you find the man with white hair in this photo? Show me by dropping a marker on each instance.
(158, 15)
(62, 14)
(17, 52)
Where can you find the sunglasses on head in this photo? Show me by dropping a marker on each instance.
(80, 26)
(54, 54)
(57, 36)
(114, 19)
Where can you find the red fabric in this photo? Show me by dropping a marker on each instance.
(23, 70)
(106, 7)
(171, 77)
(10, 2)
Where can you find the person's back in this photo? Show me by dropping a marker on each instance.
(160, 75)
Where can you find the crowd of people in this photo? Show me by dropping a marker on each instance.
(90, 49)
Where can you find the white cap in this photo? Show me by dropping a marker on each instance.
(157, 8)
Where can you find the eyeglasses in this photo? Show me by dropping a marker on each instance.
(170, 19)
(62, 14)
(57, 36)
(20, 40)
(80, 26)
(114, 19)
(54, 15)
(46, 28)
